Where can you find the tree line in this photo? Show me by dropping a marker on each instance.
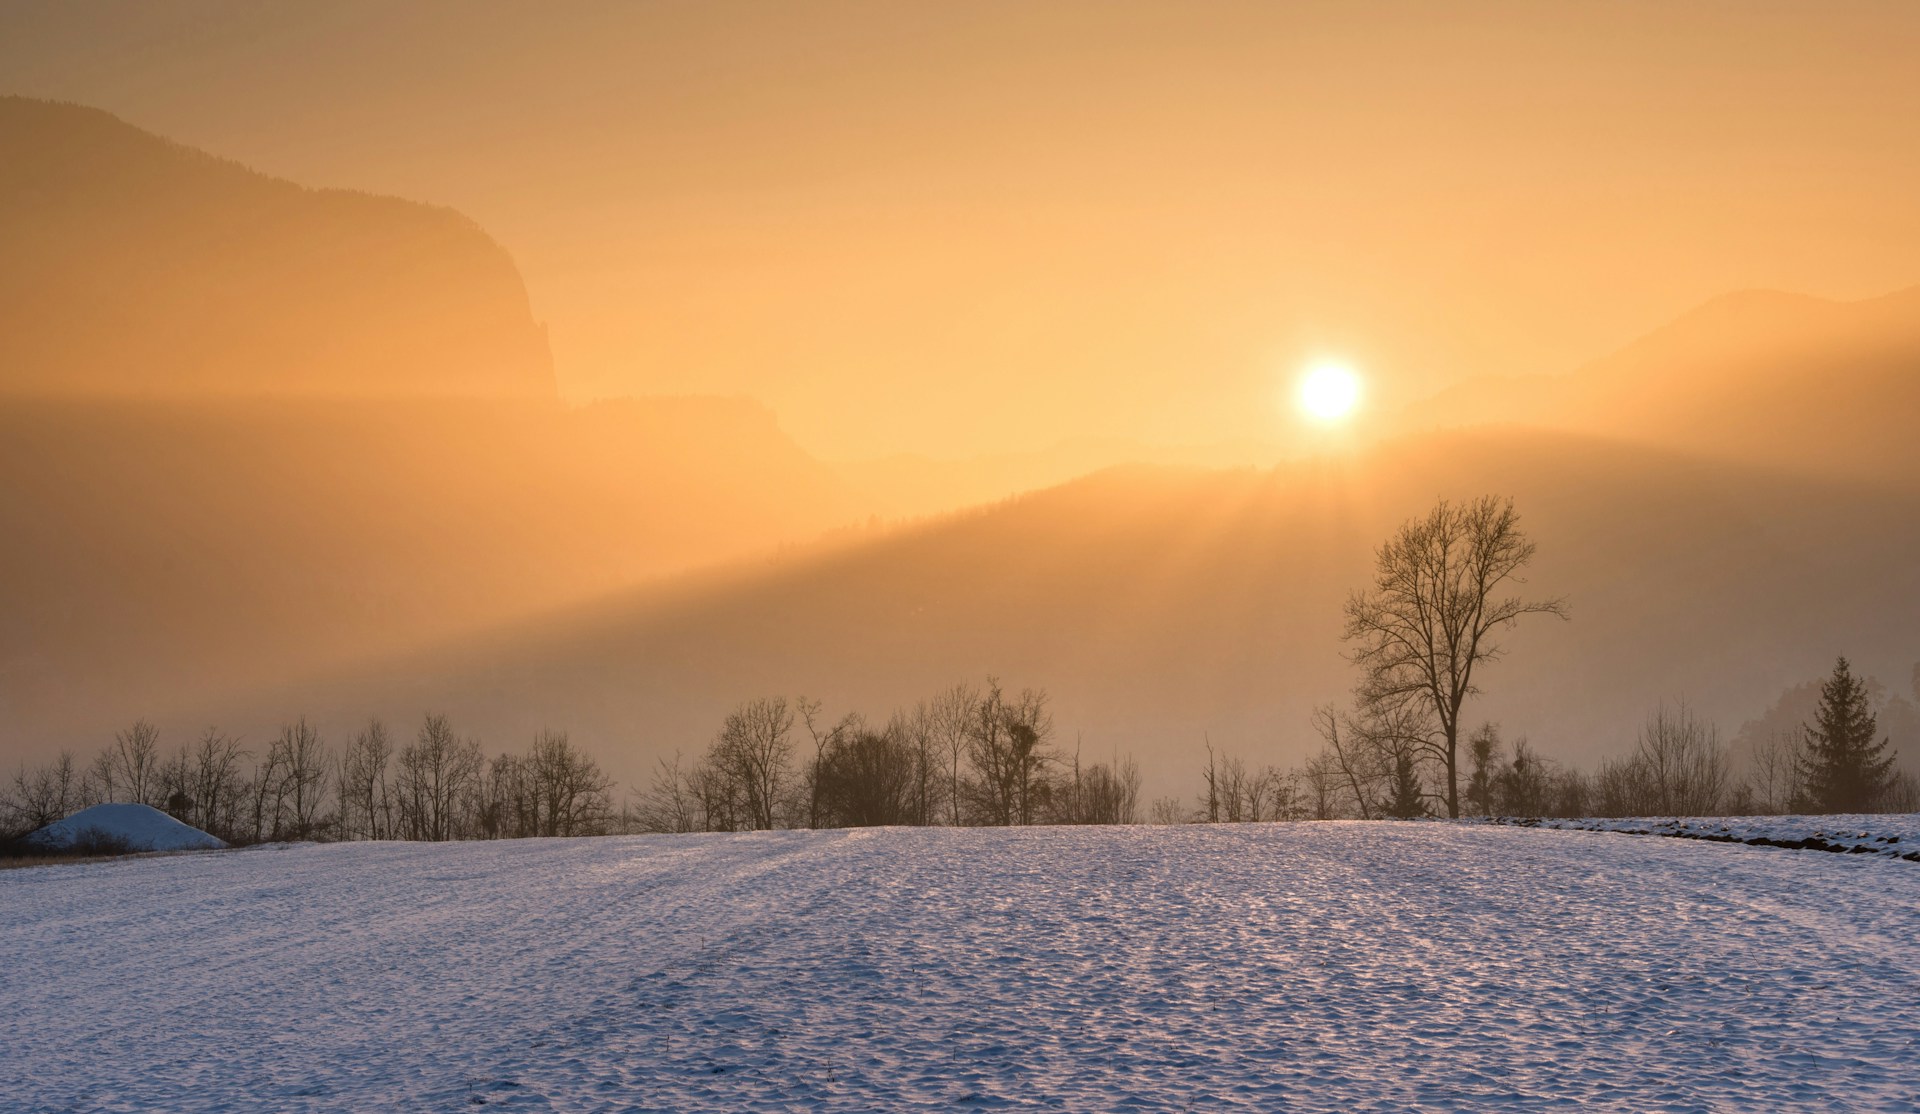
(1421, 635)
(1679, 766)
(966, 756)
(434, 786)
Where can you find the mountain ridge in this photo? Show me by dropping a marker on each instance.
(139, 265)
(1757, 376)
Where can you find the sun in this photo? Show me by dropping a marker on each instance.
(1329, 392)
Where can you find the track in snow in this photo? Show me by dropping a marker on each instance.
(1302, 966)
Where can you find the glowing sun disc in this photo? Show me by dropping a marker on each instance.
(1329, 392)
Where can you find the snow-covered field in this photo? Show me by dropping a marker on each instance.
(1293, 966)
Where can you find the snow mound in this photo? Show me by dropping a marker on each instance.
(140, 827)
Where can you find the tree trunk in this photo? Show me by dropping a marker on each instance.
(1453, 770)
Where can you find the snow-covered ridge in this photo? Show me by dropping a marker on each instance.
(1894, 836)
(137, 827)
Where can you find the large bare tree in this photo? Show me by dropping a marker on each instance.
(217, 784)
(437, 772)
(1426, 626)
(752, 752)
(1007, 745)
(129, 770)
(571, 795)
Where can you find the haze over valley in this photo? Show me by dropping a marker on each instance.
(214, 536)
(870, 555)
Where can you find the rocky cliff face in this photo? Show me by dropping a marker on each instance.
(133, 265)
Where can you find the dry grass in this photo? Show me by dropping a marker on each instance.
(21, 862)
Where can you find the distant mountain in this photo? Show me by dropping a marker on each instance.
(249, 430)
(1758, 376)
(134, 265)
(1163, 607)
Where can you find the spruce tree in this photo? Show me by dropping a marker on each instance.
(1405, 803)
(1843, 768)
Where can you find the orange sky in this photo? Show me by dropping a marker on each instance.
(976, 228)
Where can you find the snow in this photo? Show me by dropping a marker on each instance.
(1895, 836)
(142, 827)
(1329, 966)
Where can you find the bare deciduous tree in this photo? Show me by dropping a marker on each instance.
(1686, 765)
(1099, 793)
(1324, 779)
(366, 797)
(824, 737)
(670, 803)
(1167, 810)
(1007, 747)
(43, 795)
(129, 769)
(1358, 758)
(217, 785)
(437, 772)
(950, 719)
(916, 729)
(1211, 789)
(1233, 792)
(752, 753)
(867, 778)
(571, 796)
(1426, 626)
(299, 754)
(1773, 772)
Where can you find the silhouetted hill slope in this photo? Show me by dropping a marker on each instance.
(161, 549)
(1162, 605)
(133, 264)
(909, 484)
(1758, 376)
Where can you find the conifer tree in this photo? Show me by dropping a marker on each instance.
(1843, 768)
(1406, 803)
